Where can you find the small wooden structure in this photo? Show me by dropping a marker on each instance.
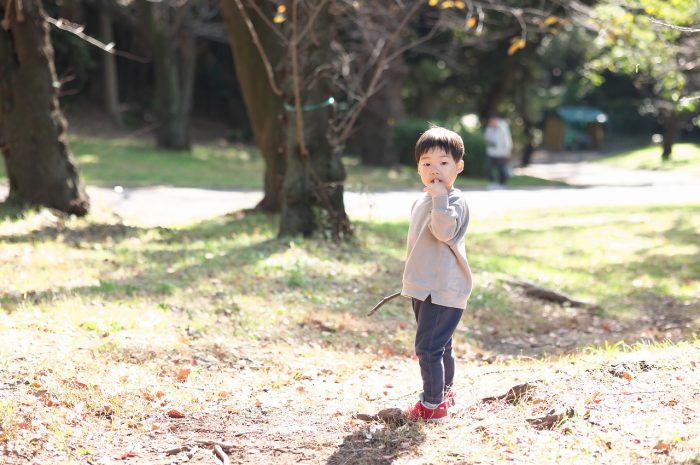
(574, 128)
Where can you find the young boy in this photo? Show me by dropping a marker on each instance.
(437, 276)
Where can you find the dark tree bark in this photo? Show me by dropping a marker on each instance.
(38, 162)
(374, 134)
(265, 108)
(522, 105)
(313, 184)
(671, 124)
(110, 82)
(174, 60)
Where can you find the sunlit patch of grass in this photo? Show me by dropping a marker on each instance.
(8, 420)
(263, 326)
(599, 253)
(685, 157)
(131, 162)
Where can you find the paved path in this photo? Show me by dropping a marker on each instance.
(169, 206)
(575, 170)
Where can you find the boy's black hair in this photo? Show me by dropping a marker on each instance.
(442, 138)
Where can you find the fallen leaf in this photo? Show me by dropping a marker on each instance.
(183, 374)
(174, 413)
(392, 416)
(662, 447)
(365, 417)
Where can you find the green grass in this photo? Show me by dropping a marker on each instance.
(627, 262)
(111, 328)
(685, 157)
(135, 162)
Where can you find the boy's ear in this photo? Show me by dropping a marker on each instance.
(460, 166)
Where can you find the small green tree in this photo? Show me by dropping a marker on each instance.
(656, 42)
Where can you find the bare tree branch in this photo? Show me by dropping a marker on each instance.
(347, 125)
(312, 19)
(261, 49)
(673, 26)
(77, 30)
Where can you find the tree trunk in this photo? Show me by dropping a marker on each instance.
(174, 59)
(375, 135)
(522, 99)
(313, 184)
(671, 123)
(264, 107)
(312, 188)
(38, 162)
(109, 72)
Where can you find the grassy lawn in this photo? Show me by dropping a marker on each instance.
(129, 162)
(685, 156)
(127, 343)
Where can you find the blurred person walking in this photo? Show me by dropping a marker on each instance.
(499, 145)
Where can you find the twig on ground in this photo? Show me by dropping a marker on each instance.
(552, 419)
(222, 445)
(221, 454)
(542, 293)
(178, 449)
(204, 442)
(514, 394)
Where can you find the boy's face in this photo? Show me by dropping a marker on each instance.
(436, 165)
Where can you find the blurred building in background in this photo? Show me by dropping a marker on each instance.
(574, 128)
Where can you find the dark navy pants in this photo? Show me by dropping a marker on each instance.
(436, 324)
(501, 165)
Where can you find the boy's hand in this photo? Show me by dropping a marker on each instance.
(435, 188)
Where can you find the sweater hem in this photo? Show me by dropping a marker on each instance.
(446, 299)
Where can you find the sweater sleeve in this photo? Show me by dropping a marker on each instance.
(447, 222)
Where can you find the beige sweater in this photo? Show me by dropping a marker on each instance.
(436, 260)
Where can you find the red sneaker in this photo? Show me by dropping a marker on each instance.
(449, 398)
(421, 412)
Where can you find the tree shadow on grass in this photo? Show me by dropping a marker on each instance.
(218, 261)
(93, 233)
(378, 444)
